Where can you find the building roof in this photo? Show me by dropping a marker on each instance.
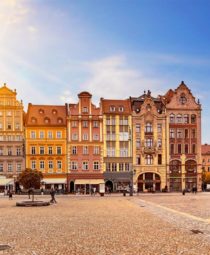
(107, 104)
(46, 115)
(205, 149)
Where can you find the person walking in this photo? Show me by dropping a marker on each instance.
(52, 193)
(10, 194)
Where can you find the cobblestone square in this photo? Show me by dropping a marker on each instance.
(144, 224)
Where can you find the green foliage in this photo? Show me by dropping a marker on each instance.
(30, 178)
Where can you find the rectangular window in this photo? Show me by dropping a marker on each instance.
(74, 165)
(50, 134)
(50, 164)
(1, 167)
(74, 124)
(138, 128)
(41, 150)
(1, 138)
(85, 109)
(41, 164)
(74, 137)
(33, 134)
(159, 143)
(95, 165)
(85, 137)
(179, 148)
(96, 150)
(59, 151)
(33, 150)
(138, 159)
(127, 167)
(74, 150)
(171, 148)
(121, 167)
(179, 133)
(41, 134)
(186, 133)
(17, 126)
(58, 134)
(95, 137)
(193, 133)
(50, 150)
(33, 164)
(159, 128)
(59, 164)
(114, 167)
(9, 151)
(85, 150)
(85, 165)
(18, 151)
(95, 124)
(159, 159)
(172, 133)
(9, 167)
(108, 167)
(1, 125)
(194, 148)
(9, 113)
(149, 143)
(18, 167)
(186, 149)
(1, 151)
(138, 143)
(85, 124)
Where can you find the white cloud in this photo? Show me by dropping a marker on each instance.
(112, 77)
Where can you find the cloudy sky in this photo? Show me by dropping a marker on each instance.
(51, 50)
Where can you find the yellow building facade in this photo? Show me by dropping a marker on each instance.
(46, 143)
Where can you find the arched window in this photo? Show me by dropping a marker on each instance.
(46, 120)
(191, 167)
(60, 120)
(148, 128)
(33, 120)
(172, 118)
(193, 118)
(179, 118)
(149, 159)
(175, 167)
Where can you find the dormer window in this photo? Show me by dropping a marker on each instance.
(54, 112)
(85, 109)
(47, 120)
(112, 108)
(121, 109)
(33, 120)
(60, 120)
(41, 111)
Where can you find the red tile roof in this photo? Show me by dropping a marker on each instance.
(106, 104)
(46, 115)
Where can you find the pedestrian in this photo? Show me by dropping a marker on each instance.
(94, 191)
(52, 193)
(42, 191)
(10, 194)
(183, 192)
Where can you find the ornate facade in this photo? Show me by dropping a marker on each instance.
(184, 139)
(12, 156)
(149, 142)
(85, 145)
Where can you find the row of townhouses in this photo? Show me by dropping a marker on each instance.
(143, 142)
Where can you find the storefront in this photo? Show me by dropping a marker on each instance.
(57, 183)
(149, 182)
(6, 184)
(84, 186)
(175, 175)
(118, 181)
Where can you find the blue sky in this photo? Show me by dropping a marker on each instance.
(51, 50)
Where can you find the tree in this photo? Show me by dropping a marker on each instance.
(206, 177)
(30, 179)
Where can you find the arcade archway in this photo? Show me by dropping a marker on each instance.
(149, 182)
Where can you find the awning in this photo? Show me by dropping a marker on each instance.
(6, 181)
(54, 180)
(89, 181)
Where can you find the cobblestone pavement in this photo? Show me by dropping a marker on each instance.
(81, 225)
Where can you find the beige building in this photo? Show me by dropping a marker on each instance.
(12, 160)
(149, 142)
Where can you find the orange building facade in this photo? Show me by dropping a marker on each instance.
(46, 142)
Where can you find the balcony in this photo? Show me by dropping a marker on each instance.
(149, 150)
